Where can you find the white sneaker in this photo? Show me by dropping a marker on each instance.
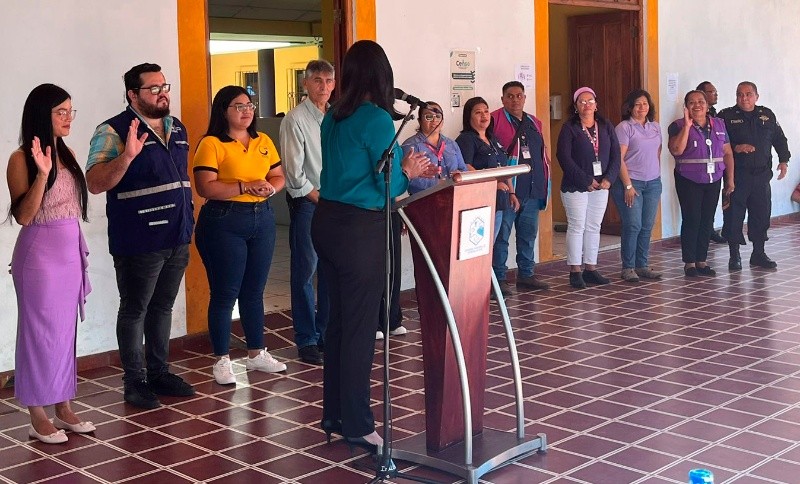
(264, 362)
(399, 331)
(223, 371)
(379, 335)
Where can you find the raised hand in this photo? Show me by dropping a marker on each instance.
(134, 144)
(43, 160)
(687, 117)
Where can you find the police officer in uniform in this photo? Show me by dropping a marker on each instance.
(753, 132)
(711, 95)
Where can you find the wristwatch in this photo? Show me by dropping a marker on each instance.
(628, 187)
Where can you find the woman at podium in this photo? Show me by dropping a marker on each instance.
(348, 233)
(481, 150)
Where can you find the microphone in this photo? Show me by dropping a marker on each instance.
(414, 101)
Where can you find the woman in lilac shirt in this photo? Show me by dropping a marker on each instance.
(637, 191)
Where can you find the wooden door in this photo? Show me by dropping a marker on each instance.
(605, 54)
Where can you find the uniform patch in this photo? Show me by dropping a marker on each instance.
(736, 121)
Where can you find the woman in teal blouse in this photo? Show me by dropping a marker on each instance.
(348, 233)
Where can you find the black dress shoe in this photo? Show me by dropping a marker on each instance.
(735, 264)
(138, 394)
(691, 271)
(310, 354)
(362, 443)
(576, 280)
(717, 238)
(762, 260)
(706, 271)
(331, 427)
(169, 385)
(594, 277)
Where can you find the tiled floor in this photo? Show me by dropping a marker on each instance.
(630, 382)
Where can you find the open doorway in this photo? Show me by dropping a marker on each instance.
(264, 46)
(600, 47)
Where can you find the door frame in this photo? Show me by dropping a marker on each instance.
(648, 16)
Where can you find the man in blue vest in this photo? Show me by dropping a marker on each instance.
(139, 158)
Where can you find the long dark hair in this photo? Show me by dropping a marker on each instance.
(630, 101)
(467, 114)
(37, 120)
(366, 75)
(217, 122)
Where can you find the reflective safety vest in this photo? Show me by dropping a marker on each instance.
(151, 208)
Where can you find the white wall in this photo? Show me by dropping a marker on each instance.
(418, 36)
(725, 42)
(84, 46)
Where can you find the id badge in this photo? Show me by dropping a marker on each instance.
(525, 153)
(711, 168)
(597, 168)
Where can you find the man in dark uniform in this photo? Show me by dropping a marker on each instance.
(753, 132)
(711, 95)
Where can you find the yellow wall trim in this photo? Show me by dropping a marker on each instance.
(195, 87)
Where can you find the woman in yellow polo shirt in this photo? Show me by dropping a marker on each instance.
(237, 170)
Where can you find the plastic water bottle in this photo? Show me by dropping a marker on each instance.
(701, 476)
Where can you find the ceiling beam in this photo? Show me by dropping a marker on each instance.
(264, 27)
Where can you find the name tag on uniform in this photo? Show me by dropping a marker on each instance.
(597, 168)
(525, 153)
(711, 168)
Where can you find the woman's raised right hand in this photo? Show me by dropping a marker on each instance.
(43, 159)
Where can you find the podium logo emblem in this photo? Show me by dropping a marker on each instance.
(477, 231)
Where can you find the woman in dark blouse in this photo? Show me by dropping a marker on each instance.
(588, 152)
(481, 150)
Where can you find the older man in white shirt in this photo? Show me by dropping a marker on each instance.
(302, 162)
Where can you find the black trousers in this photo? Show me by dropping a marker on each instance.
(148, 285)
(349, 243)
(698, 203)
(752, 196)
(396, 252)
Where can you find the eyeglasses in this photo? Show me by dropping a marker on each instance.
(430, 117)
(156, 90)
(587, 102)
(243, 107)
(66, 113)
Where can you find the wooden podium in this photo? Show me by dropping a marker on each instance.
(452, 228)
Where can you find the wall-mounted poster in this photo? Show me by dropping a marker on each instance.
(462, 76)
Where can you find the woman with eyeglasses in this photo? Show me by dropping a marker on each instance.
(589, 155)
(703, 154)
(236, 169)
(49, 266)
(446, 155)
(441, 150)
(348, 231)
(637, 192)
(481, 150)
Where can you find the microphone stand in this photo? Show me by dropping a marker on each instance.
(386, 469)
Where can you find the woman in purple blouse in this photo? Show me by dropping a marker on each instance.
(702, 154)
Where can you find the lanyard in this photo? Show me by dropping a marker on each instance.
(594, 139)
(439, 152)
(706, 132)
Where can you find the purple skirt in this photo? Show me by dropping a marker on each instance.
(49, 269)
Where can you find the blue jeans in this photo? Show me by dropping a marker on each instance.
(309, 320)
(148, 284)
(637, 221)
(236, 241)
(526, 221)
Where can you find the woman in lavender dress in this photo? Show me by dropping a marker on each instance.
(48, 196)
